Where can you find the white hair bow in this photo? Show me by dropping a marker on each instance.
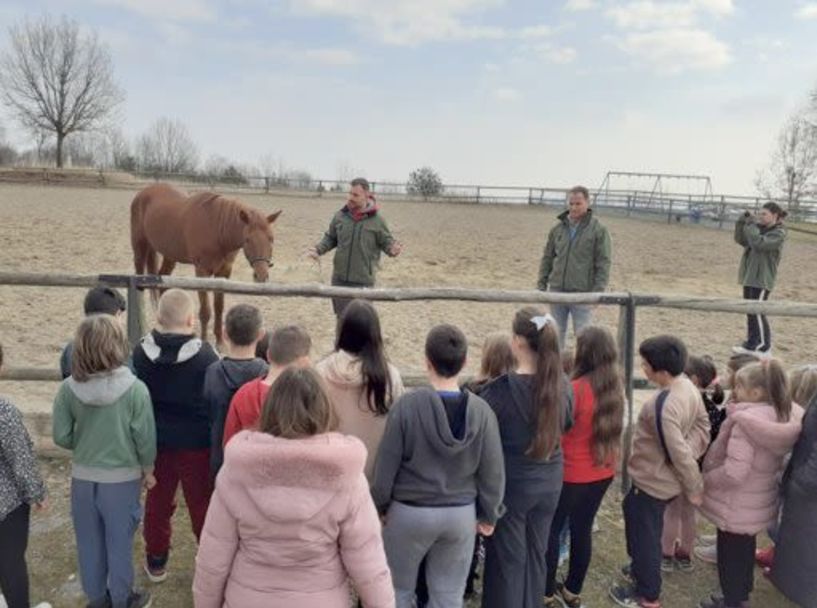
(541, 321)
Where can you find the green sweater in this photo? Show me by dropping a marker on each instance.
(357, 245)
(108, 424)
(762, 247)
(580, 263)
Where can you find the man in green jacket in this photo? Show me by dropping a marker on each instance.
(358, 234)
(762, 239)
(576, 259)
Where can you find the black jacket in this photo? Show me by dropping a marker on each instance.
(221, 381)
(173, 367)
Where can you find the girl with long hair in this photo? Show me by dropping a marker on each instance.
(361, 382)
(590, 450)
(533, 406)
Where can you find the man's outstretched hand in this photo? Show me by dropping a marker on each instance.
(396, 249)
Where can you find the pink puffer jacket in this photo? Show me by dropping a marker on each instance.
(290, 521)
(743, 467)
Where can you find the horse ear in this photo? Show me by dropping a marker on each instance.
(273, 216)
(244, 217)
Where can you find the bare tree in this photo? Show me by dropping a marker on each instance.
(53, 78)
(167, 147)
(792, 171)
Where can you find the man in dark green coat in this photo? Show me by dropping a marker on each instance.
(762, 239)
(576, 258)
(358, 234)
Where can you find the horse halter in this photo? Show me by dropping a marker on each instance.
(267, 261)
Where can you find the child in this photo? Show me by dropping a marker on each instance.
(98, 300)
(360, 381)
(497, 359)
(438, 472)
(103, 414)
(590, 450)
(172, 362)
(21, 487)
(288, 347)
(291, 518)
(244, 328)
(262, 346)
(679, 517)
(795, 570)
(671, 434)
(533, 406)
(741, 473)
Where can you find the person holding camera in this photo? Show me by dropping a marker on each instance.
(762, 236)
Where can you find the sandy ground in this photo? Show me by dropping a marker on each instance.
(74, 230)
(77, 230)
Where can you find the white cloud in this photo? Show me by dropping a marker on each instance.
(492, 67)
(716, 7)
(507, 94)
(408, 23)
(807, 11)
(332, 56)
(162, 10)
(535, 31)
(645, 14)
(555, 54)
(677, 50)
(580, 5)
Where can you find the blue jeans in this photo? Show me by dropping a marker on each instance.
(106, 516)
(582, 317)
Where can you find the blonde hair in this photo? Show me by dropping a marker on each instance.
(175, 308)
(803, 384)
(100, 345)
(770, 377)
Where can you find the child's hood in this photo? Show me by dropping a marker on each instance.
(342, 368)
(234, 373)
(429, 409)
(103, 389)
(289, 480)
(759, 422)
(168, 349)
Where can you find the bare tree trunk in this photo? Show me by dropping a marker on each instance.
(60, 138)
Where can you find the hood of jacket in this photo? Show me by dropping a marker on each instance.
(371, 209)
(103, 389)
(312, 470)
(235, 373)
(342, 368)
(168, 349)
(430, 412)
(563, 217)
(759, 422)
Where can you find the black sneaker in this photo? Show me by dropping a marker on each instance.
(140, 599)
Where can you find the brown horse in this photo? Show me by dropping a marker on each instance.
(205, 230)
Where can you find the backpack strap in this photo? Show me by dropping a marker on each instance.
(659, 412)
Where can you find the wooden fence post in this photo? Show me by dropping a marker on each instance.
(626, 349)
(669, 214)
(135, 317)
(721, 213)
(478, 190)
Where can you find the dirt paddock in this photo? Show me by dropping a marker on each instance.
(77, 230)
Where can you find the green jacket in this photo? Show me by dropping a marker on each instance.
(762, 247)
(580, 264)
(357, 245)
(108, 423)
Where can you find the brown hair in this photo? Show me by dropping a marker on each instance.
(288, 344)
(175, 308)
(580, 190)
(597, 360)
(776, 209)
(736, 362)
(362, 182)
(703, 368)
(297, 406)
(548, 415)
(770, 377)
(802, 382)
(243, 324)
(497, 356)
(100, 345)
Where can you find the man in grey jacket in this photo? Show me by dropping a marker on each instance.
(576, 259)
(439, 477)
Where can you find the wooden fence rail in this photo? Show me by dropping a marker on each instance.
(627, 302)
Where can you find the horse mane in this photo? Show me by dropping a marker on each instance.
(225, 214)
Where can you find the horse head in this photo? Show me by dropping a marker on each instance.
(258, 240)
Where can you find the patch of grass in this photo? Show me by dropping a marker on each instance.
(54, 575)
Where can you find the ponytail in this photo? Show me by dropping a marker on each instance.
(539, 332)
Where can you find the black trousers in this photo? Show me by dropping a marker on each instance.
(736, 566)
(340, 304)
(578, 504)
(13, 545)
(759, 334)
(643, 526)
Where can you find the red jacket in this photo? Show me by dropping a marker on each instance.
(577, 443)
(245, 408)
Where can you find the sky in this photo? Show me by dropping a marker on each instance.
(497, 92)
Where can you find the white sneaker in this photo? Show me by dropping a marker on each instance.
(707, 554)
(43, 605)
(3, 603)
(705, 540)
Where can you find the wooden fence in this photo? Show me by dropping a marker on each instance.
(627, 302)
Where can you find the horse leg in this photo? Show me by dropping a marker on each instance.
(204, 304)
(218, 303)
(166, 269)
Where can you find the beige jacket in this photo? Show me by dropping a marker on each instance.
(686, 431)
(344, 379)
